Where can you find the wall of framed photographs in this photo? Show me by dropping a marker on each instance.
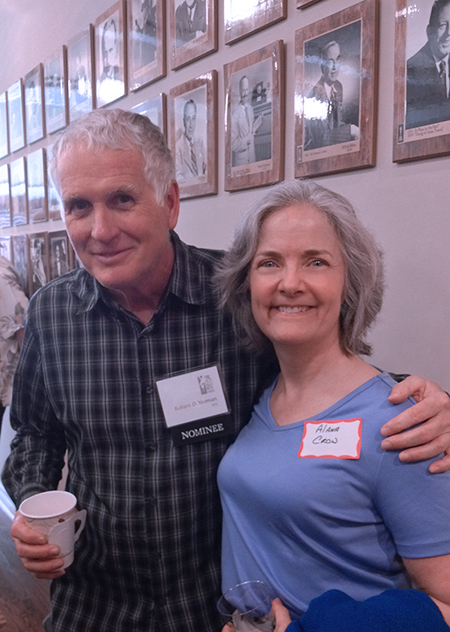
(397, 175)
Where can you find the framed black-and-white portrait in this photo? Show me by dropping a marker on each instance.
(336, 91)
(110, 54)
(19, 258)
(193, 135)
(254, 135)
(4, 140)
(5, 247)
(193, 30)
(245, 18)
(80, 73)
(34, 104)
(422, 80)
(55, 91)
(38, 272)
(37, 192)
(146, 42)
(156, 110)
(18, 189)
(55, 210)
(59, 253)
(16, 116)
(5, 203)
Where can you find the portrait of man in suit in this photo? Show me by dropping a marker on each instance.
(427, 74)
(244, 126)
(190, 156)
(190, 21)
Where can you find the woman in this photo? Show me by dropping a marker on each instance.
(311, 502)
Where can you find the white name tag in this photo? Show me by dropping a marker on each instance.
(339, 439)
(192, 396)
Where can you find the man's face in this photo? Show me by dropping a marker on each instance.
(118, 229)
(439, 34)
(331, 64)
(244, 90)
(189, 120)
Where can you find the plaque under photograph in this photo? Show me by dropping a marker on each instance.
(192, 29)
(110, 54)
(254, 134)
(55, 91)
(4, 142)
(19, 258)
(16, 116)
(146, 42)
(422, 80)
(336, 91)
(38, 273)
(53, 200)
(59, 253)
(80, 73)
(193, 135)
(5, 203)
(245, 18)
(37, 197)
(156, 110)
(34, 104)
(18, 188)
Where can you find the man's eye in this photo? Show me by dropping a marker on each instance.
(123, 198)
(76, 206)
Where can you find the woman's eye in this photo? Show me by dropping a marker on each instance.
(317, 263)
(267, 264)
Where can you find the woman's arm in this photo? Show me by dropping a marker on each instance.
(431, 575)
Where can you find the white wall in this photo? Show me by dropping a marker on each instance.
(407, 206)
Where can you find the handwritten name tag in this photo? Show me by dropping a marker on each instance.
(339, 439)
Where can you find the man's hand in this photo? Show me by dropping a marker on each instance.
(38, 556)
(429, 439)
(282, 618)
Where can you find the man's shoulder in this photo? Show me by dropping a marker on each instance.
(75, 285)
(423, 58)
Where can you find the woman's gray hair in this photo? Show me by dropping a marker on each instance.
(363, 261)
(120, 129)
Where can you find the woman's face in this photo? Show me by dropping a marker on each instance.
(297, 278)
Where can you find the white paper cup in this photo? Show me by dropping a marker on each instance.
(55, 515)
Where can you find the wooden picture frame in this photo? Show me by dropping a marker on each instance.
(335, 125)
(56, 91)
(191, 39)
(16, 116)
(193, 135)
(4, 136)
(38, 272)
(80, 73)
(54, 207)
(19, 258)
(421, 108)
(254, 106)
(303, 4)
(5, 201)
(34, 104)
(110, 55)
(156, 110)
(244, 19)
(5, 247)
(146, 42)
(18, 192)
(36, 187)
(59, 253)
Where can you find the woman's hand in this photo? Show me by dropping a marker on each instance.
(282, 618)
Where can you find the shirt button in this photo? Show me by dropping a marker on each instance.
(149, 389)
(151, 445)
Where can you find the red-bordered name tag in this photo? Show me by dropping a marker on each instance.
(337, 439)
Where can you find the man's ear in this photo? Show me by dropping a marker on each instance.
(173, 204)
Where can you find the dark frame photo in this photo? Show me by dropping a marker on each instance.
(110, 54)
(421, 92)
(59, 253)
(19, 258)
(38, 273)
(336, 92)
(146, 42)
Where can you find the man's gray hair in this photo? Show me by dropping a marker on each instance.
(121, 130)
(363, 261)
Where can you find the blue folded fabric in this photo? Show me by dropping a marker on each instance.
(391, 611)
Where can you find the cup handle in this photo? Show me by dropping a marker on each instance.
(79, 520)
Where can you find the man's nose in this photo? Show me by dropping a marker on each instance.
(103, 226)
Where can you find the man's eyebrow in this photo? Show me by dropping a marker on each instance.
(73, 198)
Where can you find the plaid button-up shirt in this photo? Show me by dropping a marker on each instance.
(149, 557)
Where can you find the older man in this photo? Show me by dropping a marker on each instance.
(102, 343)
(428, 79)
